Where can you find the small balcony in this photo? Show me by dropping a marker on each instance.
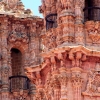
(92, 13)
(18, 83)
(51, 21)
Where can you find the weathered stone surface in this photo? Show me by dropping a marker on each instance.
(70, 51)
(19, 48)
(61, 56)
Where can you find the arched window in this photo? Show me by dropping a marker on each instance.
(92, 10)
(51, 21)
(16, 60)
(17, 81)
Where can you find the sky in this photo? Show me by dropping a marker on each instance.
(33, 5)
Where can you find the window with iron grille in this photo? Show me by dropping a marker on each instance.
(51, 21)
(92, 10)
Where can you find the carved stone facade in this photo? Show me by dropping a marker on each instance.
(19, 48)
(61, 56)
(70, 68)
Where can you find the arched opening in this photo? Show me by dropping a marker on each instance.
(92, 10)
(51, 21)
(17, 81)
(16, 61)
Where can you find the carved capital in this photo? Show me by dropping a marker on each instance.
(76, 77)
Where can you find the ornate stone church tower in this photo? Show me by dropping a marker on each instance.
(19, 48)
(70, 51)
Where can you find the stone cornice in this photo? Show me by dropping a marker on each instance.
(32, 18)
(71, 49)
(53, 52)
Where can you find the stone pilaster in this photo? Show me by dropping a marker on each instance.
(32, 91)
(56, 90)
(5, 68)
(26, 58)
(34, 45)
(56, 85)
(79, 18)
(79, 6)
(77, 83)
(79, 34)
(63, 82)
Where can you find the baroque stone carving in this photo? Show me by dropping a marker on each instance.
(18, 34)
(93, 31)
(67, 4)
(93, 86)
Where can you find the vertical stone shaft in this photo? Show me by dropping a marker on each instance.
(63, 92)
(79, 34)
(77, 82)
(79, 28)
(77, 93)
(79, 15)
(32, 91)
(56, 94)
(5, 68)
(64, 83)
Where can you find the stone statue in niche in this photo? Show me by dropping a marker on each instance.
(18, 34)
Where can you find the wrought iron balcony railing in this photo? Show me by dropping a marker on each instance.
(18, 83)
(92, 13)
(51, 21)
